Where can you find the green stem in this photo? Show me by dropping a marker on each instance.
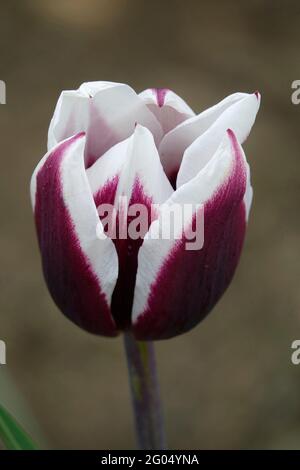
(145, 393)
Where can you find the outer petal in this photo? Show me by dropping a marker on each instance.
(129, 173)
(106, 111)
(226, 114)
(169, 109)
(176, 288)
(80, 268)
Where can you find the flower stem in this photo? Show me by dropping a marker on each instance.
(145, 393)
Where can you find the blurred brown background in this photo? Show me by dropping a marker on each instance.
(230, 382)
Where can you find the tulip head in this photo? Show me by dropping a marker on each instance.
(113, 154)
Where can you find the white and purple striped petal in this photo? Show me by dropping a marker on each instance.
(80, 268)
(129, 174)
(175, 287)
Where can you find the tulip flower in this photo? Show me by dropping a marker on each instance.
(105, 144)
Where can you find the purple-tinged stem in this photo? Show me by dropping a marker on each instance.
(145, 393)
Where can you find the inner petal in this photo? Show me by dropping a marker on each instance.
(127, 250)
(107, 112)
(179, 139)
(170, 111)
(128, 174)
(168, 108)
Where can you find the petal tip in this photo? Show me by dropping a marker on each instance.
(257, 94)
(160, 94)
(141, 131)
(231, 135)
(80, 135)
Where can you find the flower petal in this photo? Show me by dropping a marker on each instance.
(176, 287)
(133, 160)
(134, 171)
(169, 109)
(80, 267)
(239, 117)
(106, 111)
(213, 121)
(143, 164)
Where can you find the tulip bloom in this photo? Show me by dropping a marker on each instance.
(106, 141)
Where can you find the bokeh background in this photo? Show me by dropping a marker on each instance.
(230, 382)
